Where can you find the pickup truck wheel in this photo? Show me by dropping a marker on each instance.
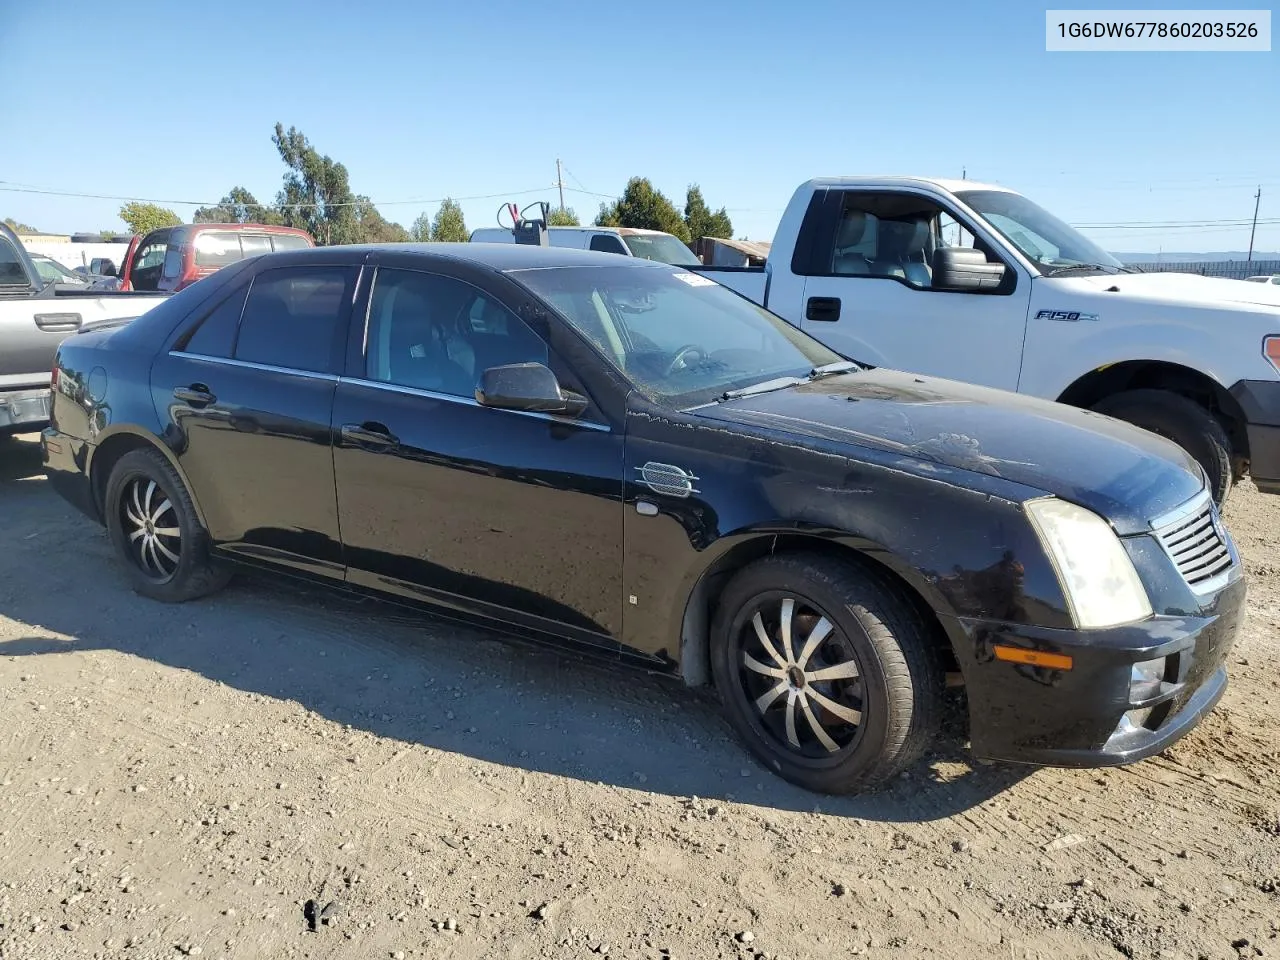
(826, 671)
(154, 528)
(1183, 421)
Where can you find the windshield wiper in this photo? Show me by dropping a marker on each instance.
(765, 387)
(1104, 267)
(828, 369)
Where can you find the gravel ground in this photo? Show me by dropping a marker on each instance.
(275, 773)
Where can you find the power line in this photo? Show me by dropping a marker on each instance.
(214, 203)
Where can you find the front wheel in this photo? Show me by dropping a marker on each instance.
(1183, 421)
(155, 530)
(826, 671)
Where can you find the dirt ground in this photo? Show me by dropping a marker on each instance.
(208, 779)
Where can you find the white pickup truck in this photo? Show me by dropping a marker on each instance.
(36, 316)
(975, 282)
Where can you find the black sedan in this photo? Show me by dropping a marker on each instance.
(628, 457)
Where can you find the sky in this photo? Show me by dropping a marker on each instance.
(177, 102)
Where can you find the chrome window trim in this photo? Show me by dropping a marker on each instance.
(471, 402)
(252, 365)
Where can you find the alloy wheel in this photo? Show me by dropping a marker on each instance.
(801, 677)
(150, 523)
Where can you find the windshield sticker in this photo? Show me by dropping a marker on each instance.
(694, 279)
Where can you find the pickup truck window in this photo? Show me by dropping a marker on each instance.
(288, 241)
(680, 338)
(146, 268)
(11, 272)
(661, 247)
(1039, 236)
(888, 235)
(607, 243)
(173, 263)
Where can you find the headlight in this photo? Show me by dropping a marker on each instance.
(1099, 581)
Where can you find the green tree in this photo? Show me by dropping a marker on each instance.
(701, 221)
(643, 207)
(238, 206)
(563, 217)
(421, 229)
(145, 217)
(449, 224)
(317, 191)
(18, 227)
(371, 227)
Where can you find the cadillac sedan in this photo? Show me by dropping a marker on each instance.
(625, 456)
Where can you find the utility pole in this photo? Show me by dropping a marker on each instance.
(1254, 229)
(560, 184)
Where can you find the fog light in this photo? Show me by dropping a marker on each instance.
(1133, 721)
(1145, 679)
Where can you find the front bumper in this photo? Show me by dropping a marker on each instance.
(66, 461)
(1260, 401)
(1077, 717)
(24, 411)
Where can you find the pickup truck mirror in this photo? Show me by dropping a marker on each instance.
(965, 268)
(531, 387)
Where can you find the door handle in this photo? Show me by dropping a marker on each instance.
(58, 322)
(822, 309)
(368, 434)
(196, 395)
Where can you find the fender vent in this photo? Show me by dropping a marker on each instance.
(666, 479)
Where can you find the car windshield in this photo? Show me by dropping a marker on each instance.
(678, 337)
(1039, 236)
(661, 247)
(53, 272)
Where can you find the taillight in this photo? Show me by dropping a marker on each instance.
(53, 377)
(1271, 350)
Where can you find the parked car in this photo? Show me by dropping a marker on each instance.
(172, 258)
(35, 315)
(628, 241)
(1266, 278)
(624, 455)
(52, 272)
(976, 282)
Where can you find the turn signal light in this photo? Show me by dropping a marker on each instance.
(1034, 658)
(1271, 350)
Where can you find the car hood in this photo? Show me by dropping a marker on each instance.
(1185, 288)
(1125, 474)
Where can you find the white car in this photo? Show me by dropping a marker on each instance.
(1266, 278)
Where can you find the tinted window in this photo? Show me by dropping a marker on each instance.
(607, 243)
(289, 241)
(438, 333)
(147, 265)
(216, 334)
(294, 317)
(11, 270)
(217, 248)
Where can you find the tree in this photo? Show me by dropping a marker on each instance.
(18, 227)
(238, 206)
(371, 227)
(421, 229)
(145, 217)
(643, 207)
(317, 192)
(449, 225)
(563, 217)
(701, 221)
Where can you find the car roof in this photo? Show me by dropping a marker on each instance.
(497, 256)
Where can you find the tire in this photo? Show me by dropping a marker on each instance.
(896, 697)
(1183, 421)
(154, 528)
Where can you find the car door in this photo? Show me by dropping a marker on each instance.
(148, 265)
(868, 292)
(246, 392)
(505, 514)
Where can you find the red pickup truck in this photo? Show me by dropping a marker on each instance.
(170, 258)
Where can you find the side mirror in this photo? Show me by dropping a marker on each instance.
(531, 387)
(965, 268)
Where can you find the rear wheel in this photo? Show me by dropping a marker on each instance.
(826, 671)
(155, 530)
(1183, 421)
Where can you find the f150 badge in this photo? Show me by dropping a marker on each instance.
(1070, 315)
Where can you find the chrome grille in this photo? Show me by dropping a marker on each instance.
(1196, 542)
